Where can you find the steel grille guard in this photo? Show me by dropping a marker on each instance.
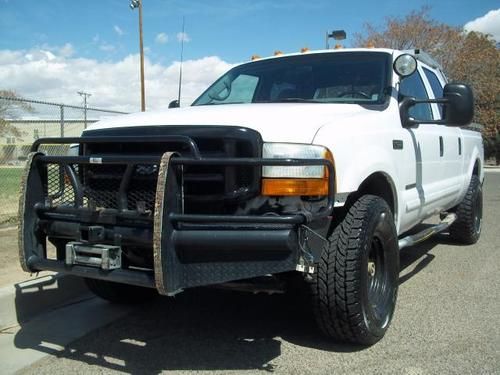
(172, 272)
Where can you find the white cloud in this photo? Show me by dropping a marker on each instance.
(118, 30)
(183, 37)
(67, 50)
(161, 38)
(107, 47)
(487, 24)
(51, 76)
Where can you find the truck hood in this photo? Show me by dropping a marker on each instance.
(276, 122)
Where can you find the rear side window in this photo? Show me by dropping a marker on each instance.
(414, 86)
(437, 89)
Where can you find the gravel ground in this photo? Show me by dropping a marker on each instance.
(447, 321)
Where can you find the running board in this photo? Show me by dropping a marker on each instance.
(428, 232)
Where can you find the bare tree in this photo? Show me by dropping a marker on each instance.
(10, 108)
(415, 30)
(471, 57)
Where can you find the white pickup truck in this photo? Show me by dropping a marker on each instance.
(317, 164)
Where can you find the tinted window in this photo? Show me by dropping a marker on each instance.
(414, 86)
(437, 89)
(242, 89)
(350, 77)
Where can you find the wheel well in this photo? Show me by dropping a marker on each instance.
(475, 171)
(378, 184)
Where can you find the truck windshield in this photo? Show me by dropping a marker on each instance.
(339, 77)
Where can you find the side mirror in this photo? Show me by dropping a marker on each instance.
(174, 104)
(458, 101)
(459, 106)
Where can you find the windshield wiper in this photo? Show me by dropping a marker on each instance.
(222, 103)
(291, 100)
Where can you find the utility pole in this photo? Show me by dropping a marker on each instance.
(138, 4)
(85, 95)
(182, 58)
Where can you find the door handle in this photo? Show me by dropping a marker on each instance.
(441, 146)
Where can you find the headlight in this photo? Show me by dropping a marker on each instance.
(296, 180)
(73, 149)
(293, 151)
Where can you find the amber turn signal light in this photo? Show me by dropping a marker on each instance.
(295, 186)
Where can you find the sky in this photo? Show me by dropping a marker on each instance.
(50, 49)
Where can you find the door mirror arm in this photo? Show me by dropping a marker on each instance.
(410, 101)
(458, 102)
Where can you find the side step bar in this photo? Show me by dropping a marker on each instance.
(428, 232)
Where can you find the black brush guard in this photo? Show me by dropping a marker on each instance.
(188, 249)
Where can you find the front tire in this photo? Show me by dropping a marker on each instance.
(355, 287)
(120, 293)
(467, 228)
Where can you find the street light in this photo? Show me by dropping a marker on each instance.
(335, 34)
(138, 4)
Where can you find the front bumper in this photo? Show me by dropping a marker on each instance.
(188, 249)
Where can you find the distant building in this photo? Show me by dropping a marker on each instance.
(13, 149)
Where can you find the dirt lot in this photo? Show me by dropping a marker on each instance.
(9, 264)
(11, 271)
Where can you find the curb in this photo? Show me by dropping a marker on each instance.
(492, 170)
(24, 301)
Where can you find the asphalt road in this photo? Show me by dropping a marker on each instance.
(447, 321)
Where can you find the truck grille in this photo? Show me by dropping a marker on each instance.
(214, 189)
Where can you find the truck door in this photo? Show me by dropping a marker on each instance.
(422, 193)
(451, 146)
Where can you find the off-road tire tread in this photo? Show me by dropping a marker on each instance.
(334, 286)
(463, 230)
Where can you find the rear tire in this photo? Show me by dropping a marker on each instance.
(467, 228)
(355, 287)
(120, 293)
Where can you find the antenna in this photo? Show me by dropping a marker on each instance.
(182, 57)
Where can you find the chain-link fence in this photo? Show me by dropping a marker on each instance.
(22, 122)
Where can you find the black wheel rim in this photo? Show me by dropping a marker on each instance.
(377, 280)
(478, 212)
